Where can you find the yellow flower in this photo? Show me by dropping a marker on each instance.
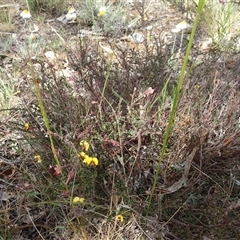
(179, 27)
(90, 160)
(78, 200)
(182, 25)
(71, 14)
(25, 14)
(38, 158)
(87, 160)
(119, 218)
(102, 11)
(32, 37)
(26, 126)
(71, 10)
(82, 155)
(85, 145)
(94, 161)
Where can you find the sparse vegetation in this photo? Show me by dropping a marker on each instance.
(113, 129)
(49, 7)
(105, 17)
(222, 24)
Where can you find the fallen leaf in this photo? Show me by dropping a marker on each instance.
(149, 92)
(55, 171)
(9, 173)
(70, 176)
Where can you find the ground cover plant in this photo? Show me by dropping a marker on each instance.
(114, 127)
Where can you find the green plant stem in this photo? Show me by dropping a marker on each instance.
(43, 112)
(28, 5)
(105, 83)
(176, 99)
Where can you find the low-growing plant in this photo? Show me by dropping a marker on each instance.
(8, 93)
(104, 17)
(7, 12)
(50, 7)
(221, 24)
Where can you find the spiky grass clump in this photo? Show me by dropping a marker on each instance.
(221, 21)
(7, 11)
(53, 7)
(8, 93)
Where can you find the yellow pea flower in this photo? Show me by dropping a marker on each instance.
(87, 160)
(78, 200)
(119, 218)
(26, 126)
(85, 145)
(90, 160)
(38, 158)
(82, 155)
(94, 161)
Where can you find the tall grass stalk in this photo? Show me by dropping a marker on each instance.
(6, 93)
(28, 5)
(43, 112)
(176, 99)
(107, 74)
